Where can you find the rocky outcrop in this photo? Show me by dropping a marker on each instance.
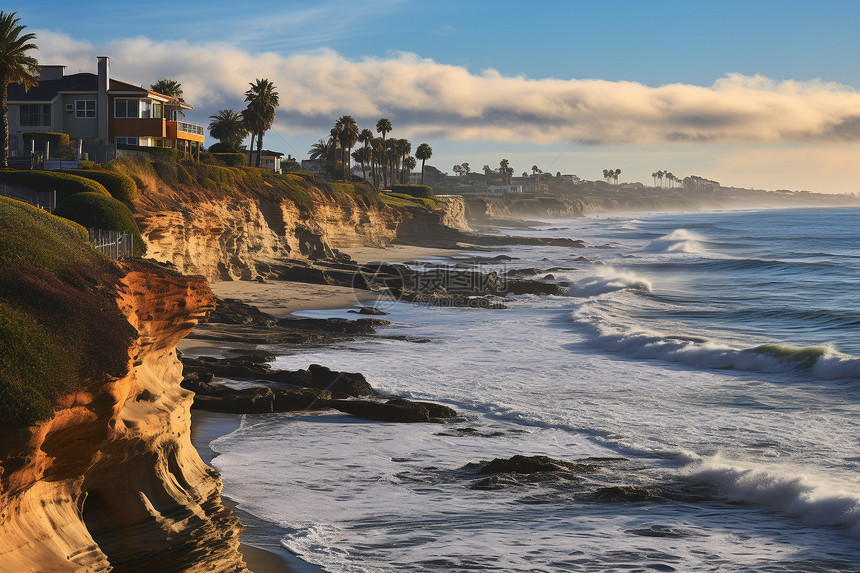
(111, 481)
(230, 239)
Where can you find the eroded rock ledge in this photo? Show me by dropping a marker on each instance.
(111, 481)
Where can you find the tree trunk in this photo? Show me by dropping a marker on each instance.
(4, 122)
(422, 171)
(251, 150)
(259, 148)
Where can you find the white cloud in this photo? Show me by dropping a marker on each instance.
(426, 98)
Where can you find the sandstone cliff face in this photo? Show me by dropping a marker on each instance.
(230, 239)
(112, 482)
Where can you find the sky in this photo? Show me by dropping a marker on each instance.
(762, 94)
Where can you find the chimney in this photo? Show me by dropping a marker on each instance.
(51, 73)
(103, 108)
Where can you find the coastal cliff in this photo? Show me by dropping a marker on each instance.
(237, 223)
(106, 478)
(226, 239)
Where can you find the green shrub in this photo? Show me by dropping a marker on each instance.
(94, 210)
(60, 143)
(64, 184)
(60, 327)
(166, 170)
(424, 191)
(231, 159)
(165, 152)
(85, 164)
(183, 176)
(119, 186)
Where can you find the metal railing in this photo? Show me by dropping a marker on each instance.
(46, 200)
(186, 127)
(115, 244)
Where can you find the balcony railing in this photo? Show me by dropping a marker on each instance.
(189, 128)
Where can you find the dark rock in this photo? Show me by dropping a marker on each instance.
(495, 482)
(369, 310)
(629, 493)
(339, 383)
(533, 464)
(393, 410)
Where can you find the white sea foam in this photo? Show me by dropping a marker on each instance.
(821, 362)
(807, 497)
(678, 241)
(605, 280)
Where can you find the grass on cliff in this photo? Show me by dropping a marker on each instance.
(60, 327)
(165, 182)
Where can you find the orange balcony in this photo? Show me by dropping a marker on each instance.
(184, 130)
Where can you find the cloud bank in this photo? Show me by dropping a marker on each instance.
(439, 101)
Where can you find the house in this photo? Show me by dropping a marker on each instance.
(270, 160)
(503, 189)
(313, 166)
(99, 110)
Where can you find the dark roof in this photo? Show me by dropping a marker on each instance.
(83, 82)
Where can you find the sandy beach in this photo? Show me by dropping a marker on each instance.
(280, 299)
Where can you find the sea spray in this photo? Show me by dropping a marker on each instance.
(678, 241)
(604, 280)
(810, 498)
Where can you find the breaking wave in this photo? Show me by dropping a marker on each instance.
(820, 362)
(810, 499)
(678, 241)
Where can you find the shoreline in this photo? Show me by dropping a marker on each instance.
(281, 299)
(259, 539)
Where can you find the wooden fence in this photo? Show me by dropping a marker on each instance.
(115, 244)
(42, 199)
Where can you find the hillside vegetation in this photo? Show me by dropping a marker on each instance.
(60, 327)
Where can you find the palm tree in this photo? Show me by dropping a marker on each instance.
(362, 155)
(409, 164)
(262, 100)
(503, 169)
(334, 145)
(404, 147)
(424, 152)
(606, 175)
(228, 128)
(168, 87)
(15, 68)
(383, 126)
(615, 175)
(348, 135)
(319, 150)
(377, 158)
(654, 177)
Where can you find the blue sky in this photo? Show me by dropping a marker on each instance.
(651, 43)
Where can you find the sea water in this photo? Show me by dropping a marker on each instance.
(712, 357)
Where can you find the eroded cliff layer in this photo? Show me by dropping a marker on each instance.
(229, 238)
(111, 481)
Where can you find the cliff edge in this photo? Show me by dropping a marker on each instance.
(97, 471)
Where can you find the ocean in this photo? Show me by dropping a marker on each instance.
(711, 359)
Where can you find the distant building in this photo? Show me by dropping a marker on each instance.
(98, 110)
(312, 166)
(504, 189)
(270, 160)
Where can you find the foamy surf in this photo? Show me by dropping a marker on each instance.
(605, 280)
(678, 241)
(809, 498)
(819, 362)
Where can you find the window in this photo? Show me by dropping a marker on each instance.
(156, 110)
(35, 115)
(127, 140)
(126, 108)
(85, 109)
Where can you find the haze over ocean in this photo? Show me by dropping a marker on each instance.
(707, 358)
